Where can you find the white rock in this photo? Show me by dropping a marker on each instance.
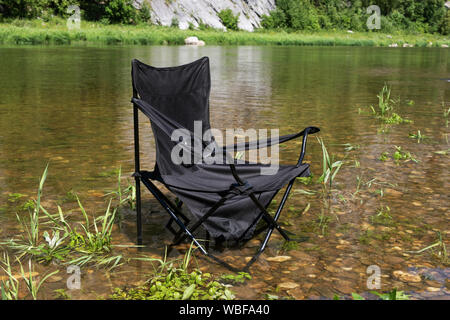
(191, 41)
(349, 31)
(393, 45)
(444, 46)
(389, 36)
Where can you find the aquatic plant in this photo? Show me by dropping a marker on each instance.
(176, 283)
(33, 286)
(438, 249)
(386, 110)
(394, 294)
(330, 168)
(238, 278)
(401, 154)
(14, 197)
(384, 101)
(398, 155)
(287, 246)
(384, 156)
(383, 216)
(123, 196)
(29, 244)
(443, 152)
(9, 288)
(86, 242)
(419, 136)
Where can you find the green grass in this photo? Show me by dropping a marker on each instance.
(37, 32)
(87, 242)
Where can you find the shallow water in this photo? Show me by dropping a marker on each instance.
(69, 106)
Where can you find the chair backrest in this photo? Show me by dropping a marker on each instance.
(180, 93)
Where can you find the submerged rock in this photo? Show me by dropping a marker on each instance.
(407, 276)
(288, 285)
(278, 258)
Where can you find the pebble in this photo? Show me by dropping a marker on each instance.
(55, 279)
(392, 192)
(297, 294)
(406, 276)
(288, 285)
(278, 259)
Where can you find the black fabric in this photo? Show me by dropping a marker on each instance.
(173, 98)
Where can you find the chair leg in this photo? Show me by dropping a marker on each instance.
(138, 211)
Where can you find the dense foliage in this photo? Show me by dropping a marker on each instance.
(410, 15)
(429, 16)
(109, 11)
(229, 20)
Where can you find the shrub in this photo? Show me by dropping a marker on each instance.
(228, 19)
(145, 13)
(276, 19)
(175, 23)
(121, 11)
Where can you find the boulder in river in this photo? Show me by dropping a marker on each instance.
(193, 41)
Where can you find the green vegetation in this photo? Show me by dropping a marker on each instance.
(37, 32)
(228, 19)
(330, 168)
(392, 295)
(172, 282)
(411, 15)
(240, 277)
(437, 249)
(386, 108)
(54, 238)
(9, 288)
(90, 243)
(399, 155)
(293, 22)
(383, 217)
(419, 136)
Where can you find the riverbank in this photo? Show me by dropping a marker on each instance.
(37, 32)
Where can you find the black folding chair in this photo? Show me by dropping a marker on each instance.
(227, 198)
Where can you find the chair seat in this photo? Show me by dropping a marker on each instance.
(203, 185)
(218, 178)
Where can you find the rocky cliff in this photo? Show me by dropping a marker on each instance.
(205, 11)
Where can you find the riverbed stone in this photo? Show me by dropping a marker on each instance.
(393, 192)
(407, 276)
(279, 258)
(433, 289)
(297, 293)
(288, 285)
